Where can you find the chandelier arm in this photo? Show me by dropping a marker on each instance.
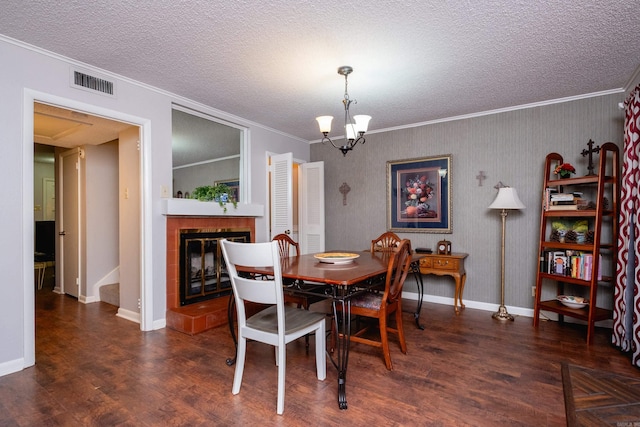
(326, 138)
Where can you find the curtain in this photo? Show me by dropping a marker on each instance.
(626, 309)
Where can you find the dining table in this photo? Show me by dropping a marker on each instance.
(337, 278)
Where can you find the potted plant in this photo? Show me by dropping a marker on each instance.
(220, 193)
(565, 170)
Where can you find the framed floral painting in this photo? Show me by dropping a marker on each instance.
(419, 195)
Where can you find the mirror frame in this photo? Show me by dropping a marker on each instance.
(243, 178)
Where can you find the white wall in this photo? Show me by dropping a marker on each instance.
(509, 147)
(101, 219)
(28, 74)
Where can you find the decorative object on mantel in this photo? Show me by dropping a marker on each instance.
(590, 152)
(506, 199)
(220, 193)
(344, 189)
(354, 132)
(564, 170)
(481, 177)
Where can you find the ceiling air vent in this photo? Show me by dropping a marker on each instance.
(85, 81)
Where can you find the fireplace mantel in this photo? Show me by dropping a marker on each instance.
(191, 207)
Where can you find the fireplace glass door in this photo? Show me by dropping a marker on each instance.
(203, 274)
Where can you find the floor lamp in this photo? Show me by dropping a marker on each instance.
(507, 199)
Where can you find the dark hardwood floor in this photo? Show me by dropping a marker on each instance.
(93, 368)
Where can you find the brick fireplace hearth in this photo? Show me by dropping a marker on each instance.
(199, 317)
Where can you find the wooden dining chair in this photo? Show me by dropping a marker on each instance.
(277, 325)
(288, 247)
(386, 242)
(380, 305)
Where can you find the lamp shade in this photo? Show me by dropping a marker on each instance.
(507, 198)
(349, 131)
(325, 123)
(362, 123)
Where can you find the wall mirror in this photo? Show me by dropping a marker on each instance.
(206, 150)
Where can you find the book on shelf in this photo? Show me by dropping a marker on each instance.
(569, 263)
(565, 197)
(572, 207)
(567, 205)
(556, 262)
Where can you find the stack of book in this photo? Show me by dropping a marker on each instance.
(563, 201)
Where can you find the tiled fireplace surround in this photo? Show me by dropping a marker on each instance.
(199, 317)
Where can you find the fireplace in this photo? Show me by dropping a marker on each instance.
(204, 314)
(203, 275)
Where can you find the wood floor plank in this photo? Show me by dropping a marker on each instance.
(93, 368)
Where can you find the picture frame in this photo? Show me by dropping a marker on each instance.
(419, 195)
(234, 186)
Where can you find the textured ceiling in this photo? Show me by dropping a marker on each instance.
(274, 61)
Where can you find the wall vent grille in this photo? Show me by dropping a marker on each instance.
(85, 81)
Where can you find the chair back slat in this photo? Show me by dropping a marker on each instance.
(399, 265)
(254, 255)
(288, 247)
(386, 242)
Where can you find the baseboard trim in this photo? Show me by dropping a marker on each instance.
(12, 366)
(128, 315)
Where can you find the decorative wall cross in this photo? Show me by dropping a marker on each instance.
(590, 152)
(481, 177)
(344, 189)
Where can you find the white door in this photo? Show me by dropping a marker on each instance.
(310, 233)
(70, 222)
(281, 194)
(311, 207)
(49, 199)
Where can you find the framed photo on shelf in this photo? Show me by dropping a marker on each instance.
(234, 186)
(419, 195)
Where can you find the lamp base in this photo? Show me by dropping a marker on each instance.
(502, 314)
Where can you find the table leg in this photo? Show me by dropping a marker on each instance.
(415, 269)
(457, 298)
(341, 351)
(463, 279)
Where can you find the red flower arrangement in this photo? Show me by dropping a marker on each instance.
(417, 191)
(564, 170)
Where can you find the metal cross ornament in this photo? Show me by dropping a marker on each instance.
(481, 177)
(590, 152)
(344, 189)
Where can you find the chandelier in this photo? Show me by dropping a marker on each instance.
(353, 130)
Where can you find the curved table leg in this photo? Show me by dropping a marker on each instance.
(415, 269)
(341, 351)
(457, 297)
(462, 280)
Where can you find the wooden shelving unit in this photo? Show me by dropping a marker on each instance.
(604, 191)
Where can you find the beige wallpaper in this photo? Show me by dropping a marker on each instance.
(509, 147)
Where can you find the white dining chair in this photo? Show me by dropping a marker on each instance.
(276, 325)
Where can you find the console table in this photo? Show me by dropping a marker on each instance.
(447, 265)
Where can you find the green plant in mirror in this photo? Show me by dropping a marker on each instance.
(220, 193)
